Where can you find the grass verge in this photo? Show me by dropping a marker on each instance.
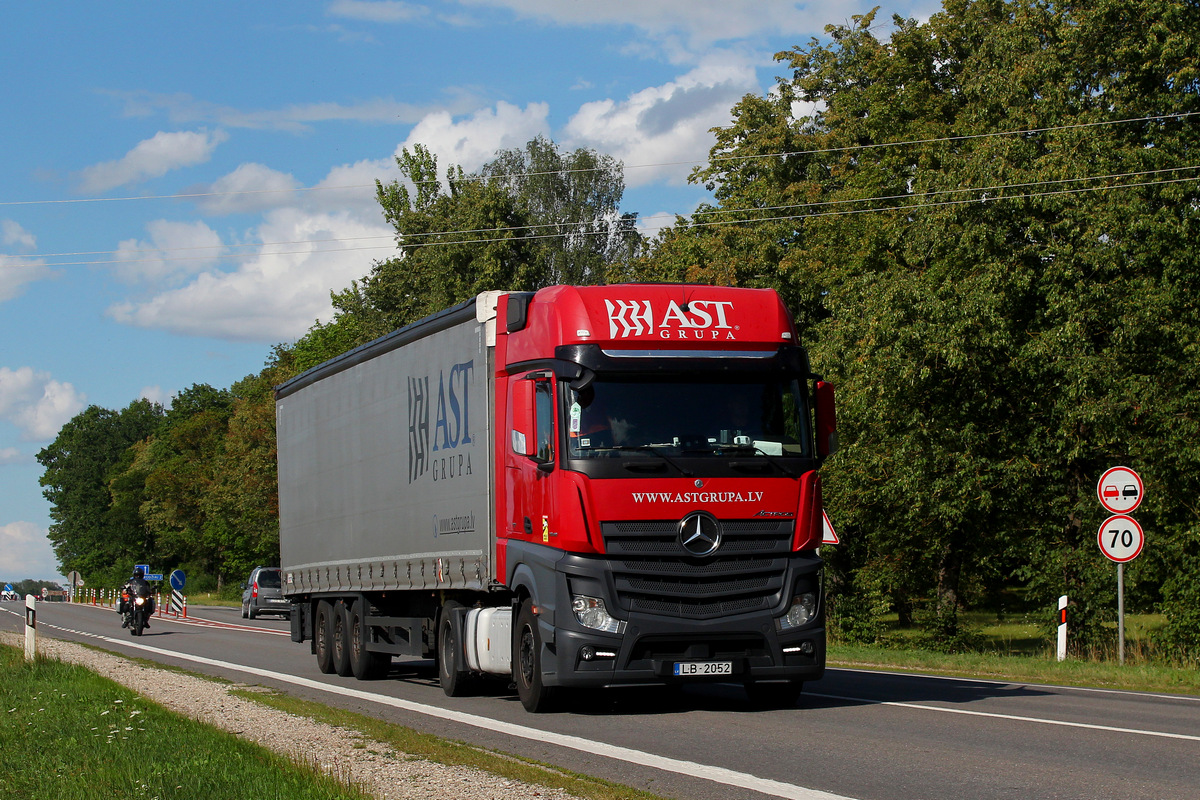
(1017, 650)
(444, 751)
(70, 734)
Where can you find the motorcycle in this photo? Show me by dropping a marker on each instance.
(136, 606)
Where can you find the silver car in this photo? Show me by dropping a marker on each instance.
(262, 593)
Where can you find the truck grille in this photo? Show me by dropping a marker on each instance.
(653, 574)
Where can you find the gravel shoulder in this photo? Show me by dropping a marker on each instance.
(372, 766)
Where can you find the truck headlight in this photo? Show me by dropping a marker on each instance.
(802, 611)
(592, 613)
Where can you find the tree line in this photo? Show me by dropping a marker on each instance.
(985, 226)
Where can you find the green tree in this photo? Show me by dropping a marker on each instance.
(530, 218)
(572, 204)
(88, 534)
(996, 269)
(180, 464)
(454, 243)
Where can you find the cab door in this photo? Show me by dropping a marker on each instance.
(532, 455)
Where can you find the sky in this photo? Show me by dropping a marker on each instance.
(183, 184)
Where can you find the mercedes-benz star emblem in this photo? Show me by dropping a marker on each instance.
(700, 533)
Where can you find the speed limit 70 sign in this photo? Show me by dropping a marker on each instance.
(1121, 538)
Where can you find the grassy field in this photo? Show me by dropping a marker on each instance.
(69, 734)
(1019, 649)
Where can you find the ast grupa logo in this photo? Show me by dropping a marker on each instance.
(704, 320)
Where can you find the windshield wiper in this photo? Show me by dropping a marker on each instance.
(646, 448)
(772, 459)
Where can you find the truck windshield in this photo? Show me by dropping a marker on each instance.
(687, 417)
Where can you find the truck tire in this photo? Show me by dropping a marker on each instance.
(323, 636)
(527, 662)
(341, 640)
(455, 679)
(365, 664)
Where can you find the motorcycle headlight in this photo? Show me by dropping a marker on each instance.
(140, 601)
(592, 613)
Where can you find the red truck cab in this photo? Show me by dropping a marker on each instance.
(658, 501)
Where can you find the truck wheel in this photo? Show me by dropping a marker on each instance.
(341, 640)
(527, 662)
(778, 694)
(323, 636)
(455, 679)
(365, 664)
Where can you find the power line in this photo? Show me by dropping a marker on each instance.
(658, 165)
(824, 205)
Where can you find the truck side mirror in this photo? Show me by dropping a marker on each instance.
(524, 440)
(826, 420)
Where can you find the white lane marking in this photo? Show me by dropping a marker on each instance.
(1011, 717)
(693, 769)
(198, 621)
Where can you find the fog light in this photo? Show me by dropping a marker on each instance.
(587, 652)
(592, 613)
(806, 647)
(802, 612)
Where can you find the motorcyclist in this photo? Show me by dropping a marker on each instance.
(136, 582)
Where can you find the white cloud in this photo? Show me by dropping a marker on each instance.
(175, 250)
(156, 394)
(248, 189)
(16, 273)
(379, 11)
(698, 23)
(184, 109)
(473, 141)
(12, 234)
(36, 403)
(27, 553)
(276, 295)
(10, 455)
(662, 132)
(152, 158)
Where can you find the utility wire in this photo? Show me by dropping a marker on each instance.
(784, 154)
(722, 211)
(905, 207)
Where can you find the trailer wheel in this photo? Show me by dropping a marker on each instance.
(341, 640)
(455, 679)
(365, 664)
(323, 637)
(527, 662)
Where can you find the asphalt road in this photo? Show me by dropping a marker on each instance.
(855, 734)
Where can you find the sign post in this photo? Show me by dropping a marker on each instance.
(1121, 538)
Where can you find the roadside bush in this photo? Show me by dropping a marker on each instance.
(1181, 605)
